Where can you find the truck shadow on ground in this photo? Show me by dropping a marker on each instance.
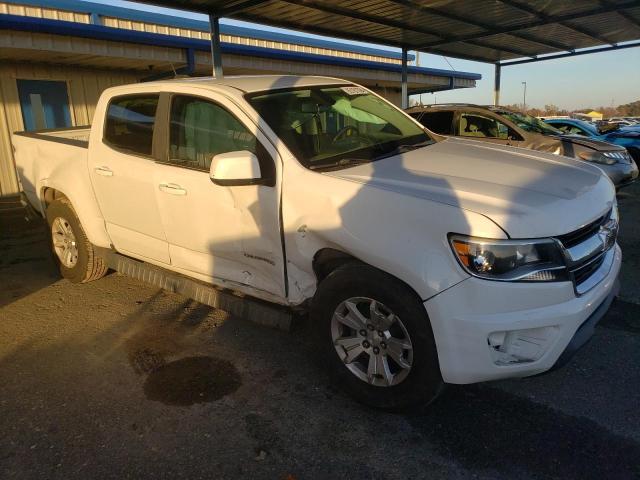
(487, 429)
(266, 388)
(481, 427)
(26, 264)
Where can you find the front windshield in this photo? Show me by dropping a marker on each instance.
(335, 126)
(588, 127)
(529, 123)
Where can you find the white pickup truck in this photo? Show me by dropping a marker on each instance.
(422, 261)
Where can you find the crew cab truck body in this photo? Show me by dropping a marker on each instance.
(422, 261)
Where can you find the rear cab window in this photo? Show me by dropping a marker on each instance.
(130, 122)
(440, 122)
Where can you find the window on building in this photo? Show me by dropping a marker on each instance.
(201, 129)
(44, 104)
(130, 122)
(438, 122)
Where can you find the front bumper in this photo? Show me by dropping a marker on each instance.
(466, 317)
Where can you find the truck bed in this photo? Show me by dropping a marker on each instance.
(76, 136)
(42, 154)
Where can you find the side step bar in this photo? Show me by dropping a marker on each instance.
(254, 310)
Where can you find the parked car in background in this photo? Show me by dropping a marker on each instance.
(628, 121)
(422, 261)
(501, 126)
(627, 137)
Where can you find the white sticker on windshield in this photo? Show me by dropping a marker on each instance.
(354, 90)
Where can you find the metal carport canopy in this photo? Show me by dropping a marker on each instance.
(502, 32)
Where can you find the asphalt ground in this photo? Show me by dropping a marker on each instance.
(116, 379)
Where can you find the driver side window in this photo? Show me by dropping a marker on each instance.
(200, 129)
(475, 125)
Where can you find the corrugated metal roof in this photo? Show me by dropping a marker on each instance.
(482, 30)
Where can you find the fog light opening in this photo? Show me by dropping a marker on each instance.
(520, 346)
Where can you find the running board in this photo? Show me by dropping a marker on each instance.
(248, 308)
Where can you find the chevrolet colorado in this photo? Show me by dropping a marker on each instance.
(421, 260)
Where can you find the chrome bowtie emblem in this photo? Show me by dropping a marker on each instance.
(607, 234)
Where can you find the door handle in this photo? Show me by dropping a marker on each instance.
(172, 188)
(104, 171)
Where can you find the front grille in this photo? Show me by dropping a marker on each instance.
(582, 273)
(578, 236)
(585, 267)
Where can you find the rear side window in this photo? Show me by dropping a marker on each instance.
(130, 122)
(438, 122)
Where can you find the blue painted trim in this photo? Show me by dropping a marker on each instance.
(100, 32)
(188, 23)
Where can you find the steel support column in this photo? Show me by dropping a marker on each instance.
(216, 52)
(496, 85)
(405, 95)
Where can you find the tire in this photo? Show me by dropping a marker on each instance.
(84, 267)
(423, 381)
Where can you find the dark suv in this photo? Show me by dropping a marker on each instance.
(507, 127)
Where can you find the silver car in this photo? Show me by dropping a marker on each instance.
(507, 127)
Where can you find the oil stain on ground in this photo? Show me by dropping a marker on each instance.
(192, 380)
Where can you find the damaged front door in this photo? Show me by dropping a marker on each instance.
(225, 233)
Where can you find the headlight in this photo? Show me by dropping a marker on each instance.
(510, 260)
(603, 158)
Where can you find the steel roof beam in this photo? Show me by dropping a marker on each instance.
(623, 14)
(485, 26)
(374, 19)
(572, 54)
(629, 18)
(235, 7)
(549, 19)
(514, 29)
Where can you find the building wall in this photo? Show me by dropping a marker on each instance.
(127, 24)
(83, 85)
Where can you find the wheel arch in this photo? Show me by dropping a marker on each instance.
(327, 260)
(87, 211)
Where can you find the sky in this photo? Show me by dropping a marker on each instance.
(595, 80)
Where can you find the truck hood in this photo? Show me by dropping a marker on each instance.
(528, 194)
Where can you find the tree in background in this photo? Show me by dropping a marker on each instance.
(550, 109)
(630, 109)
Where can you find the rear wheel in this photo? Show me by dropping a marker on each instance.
(376, 338)
(71, 248)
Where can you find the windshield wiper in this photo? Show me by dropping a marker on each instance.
(404, 148)
(342, 163)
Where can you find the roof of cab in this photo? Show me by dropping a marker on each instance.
(257, 83)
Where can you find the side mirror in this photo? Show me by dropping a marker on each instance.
(235, 169)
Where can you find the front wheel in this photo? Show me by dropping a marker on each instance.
(72, 250)
(376, 338)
